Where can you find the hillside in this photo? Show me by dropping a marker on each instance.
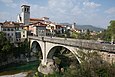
(85, 27)
(90, 27)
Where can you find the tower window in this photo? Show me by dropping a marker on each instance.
(25, 9)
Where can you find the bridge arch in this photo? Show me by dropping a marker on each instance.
(36, 49)
(52, 49)
(63, 56)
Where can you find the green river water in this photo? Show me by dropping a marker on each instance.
(19, 67)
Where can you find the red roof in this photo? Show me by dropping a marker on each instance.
(39, 24)
(10, 24)
(36, 19)
(60, 25)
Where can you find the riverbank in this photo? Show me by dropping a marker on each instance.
(23, 74)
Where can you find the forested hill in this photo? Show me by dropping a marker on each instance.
(85, 27)
(90, 27)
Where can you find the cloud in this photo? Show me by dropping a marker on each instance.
(64, 10)
(3, 16)
(9, 3)
(80, 11)
(91, 4)
(110, 11)
(58, 10)
(23, 2)
(76, 11)
(63, 4)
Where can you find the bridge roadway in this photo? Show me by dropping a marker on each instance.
(88, 44)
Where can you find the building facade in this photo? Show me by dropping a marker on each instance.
(13, 31)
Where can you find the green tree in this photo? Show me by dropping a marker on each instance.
(81, 36)
(87, 34)
(5, 48)
(105, 35)
(111, 30)
(25, 48)
(74, 34)
(92, 65)
(68, 32)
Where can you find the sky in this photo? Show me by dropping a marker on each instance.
(84, 12)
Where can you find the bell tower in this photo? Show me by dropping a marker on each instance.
(25, 14)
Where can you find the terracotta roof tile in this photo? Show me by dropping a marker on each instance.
(11, 24)
(36, 19)
(39, 24)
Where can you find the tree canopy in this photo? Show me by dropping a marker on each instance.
(5, 47)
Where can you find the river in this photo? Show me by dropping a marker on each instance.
(19, 70)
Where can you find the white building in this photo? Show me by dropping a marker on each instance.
(1, 27)
(73, 25)
(38, 29)
(24, 17)
(13, 31)
(23, 34)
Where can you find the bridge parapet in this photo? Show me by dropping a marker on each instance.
(90, 44)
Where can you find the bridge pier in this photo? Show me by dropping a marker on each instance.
(44, 60)
(47, 65)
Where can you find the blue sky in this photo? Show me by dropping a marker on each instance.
(88, 12)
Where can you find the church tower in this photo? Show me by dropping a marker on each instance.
(24, 17)
(73, 25)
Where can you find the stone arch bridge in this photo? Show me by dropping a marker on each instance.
(48, 43)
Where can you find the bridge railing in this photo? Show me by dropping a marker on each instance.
(90, 44)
